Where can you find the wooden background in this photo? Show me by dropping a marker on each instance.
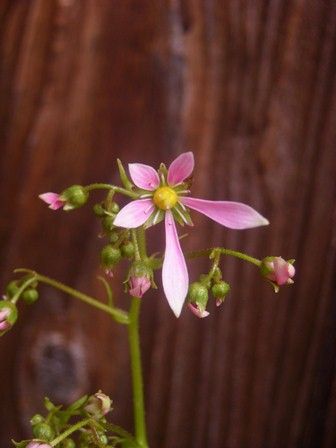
(249, 86)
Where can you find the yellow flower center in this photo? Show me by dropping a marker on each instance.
(165, 198)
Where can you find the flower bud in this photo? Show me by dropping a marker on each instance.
(75, 196)
(110, 256)
(98, 210)
(43, 431)
(219, 291)
(198, 299)
(37, 418)
(277, 270)
(114, 237)
(113, 207)
(98, 405)
(8, 316)
(108, 223)
(68, 443)
(11, 289)
(139, 280)
(33, 444)
(30, 295)
(127, 249)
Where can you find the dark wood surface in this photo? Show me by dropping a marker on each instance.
(249, 86)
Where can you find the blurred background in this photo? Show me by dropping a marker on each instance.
(249, 86)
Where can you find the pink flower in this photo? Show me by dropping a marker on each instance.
(139, 285)
(164, 197)
(278, 270)
(54, 200)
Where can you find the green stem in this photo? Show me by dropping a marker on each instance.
(101, 186)
(119, 315)
(69, 431)
(223, 251)
(138, 391)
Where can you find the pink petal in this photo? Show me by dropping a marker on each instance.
(199, 313)
(174, 270)
(233, 215)
(181, 168)
(4, 325)
(134, 214)
(281, 271)
(52, 199)
(144, 176)
(4, 313)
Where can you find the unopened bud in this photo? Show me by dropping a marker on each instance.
(110, 256)
(139, 280)
(68, 443)
(127, 249)
(219, 291)
(11, 289)
(277, 270)
(37, 418)
(108, 223)
(98, 210)
(43, 431)
(8, 316)
(198, 299)
(33, 444)
(30, 295)
(75, 196)
(98, 404)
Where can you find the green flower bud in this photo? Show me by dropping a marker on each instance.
(75, 196)
(30, 295)
(98, 210)
(108, 223)
(114, 236)
(127, 249)
(219, 291)
(110, 256)
(37, 418)
(114, 207)
(198, 293)
(43, 431)
(68, 443)
(11, 289)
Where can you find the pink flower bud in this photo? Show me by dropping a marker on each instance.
(8, 316)
(139, 285)
(54, 200)
(277, 270)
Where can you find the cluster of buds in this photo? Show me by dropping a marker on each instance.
(198, 294)
(119, 246)
(73, 197)
(278, 271)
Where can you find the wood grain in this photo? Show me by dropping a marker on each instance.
(249, 86)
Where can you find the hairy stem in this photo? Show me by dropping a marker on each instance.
(101, 186)
(223, 251)
(137, 382)
(119, 315)
(69, 431)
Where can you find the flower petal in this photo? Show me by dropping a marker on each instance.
(134, 214)
(144, 176)
(181, 168)
(52, 199)
(197, 311)
(174, 270)
(233, 215)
